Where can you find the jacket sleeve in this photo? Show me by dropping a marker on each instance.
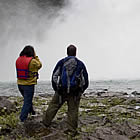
(56, 73)
(36, 63)
(85, 74)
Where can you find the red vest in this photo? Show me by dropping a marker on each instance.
(22, 66)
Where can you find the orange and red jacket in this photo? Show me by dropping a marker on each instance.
(22, 67)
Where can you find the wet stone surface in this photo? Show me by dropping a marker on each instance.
(104, 116)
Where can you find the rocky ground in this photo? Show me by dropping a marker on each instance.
(102, 116)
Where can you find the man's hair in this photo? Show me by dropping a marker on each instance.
(28, 51)
(71, 50)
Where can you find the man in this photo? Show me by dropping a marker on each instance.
(69, 81)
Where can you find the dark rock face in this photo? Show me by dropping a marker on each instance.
(112, 117)
(135, 93)
(6, 106)
(108, 134)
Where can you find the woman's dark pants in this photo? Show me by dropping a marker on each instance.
(27, 92)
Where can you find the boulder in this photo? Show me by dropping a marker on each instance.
(6, 106)
(135, 93)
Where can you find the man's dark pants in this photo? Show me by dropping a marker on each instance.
(73, 108)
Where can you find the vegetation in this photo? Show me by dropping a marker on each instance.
(94, 112)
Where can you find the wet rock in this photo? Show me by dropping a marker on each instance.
(110, 94)
(115, 137)
(89, 138)
(124, 93)
(45, 95)
(89, 120)
(129, 88)
(135, 93)
(105, 89)
(106, 117)
(5, 131)
(6, 106)
(100, 93)
(89, 94)
(108, 134)
(55, 136)
(117, 108)
(128, 129)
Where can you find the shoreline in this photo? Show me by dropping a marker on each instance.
(44, 87)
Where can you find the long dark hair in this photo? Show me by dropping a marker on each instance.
(28, 51)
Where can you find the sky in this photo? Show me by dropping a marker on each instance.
(105, 32)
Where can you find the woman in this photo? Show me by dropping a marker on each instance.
(27, 66)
